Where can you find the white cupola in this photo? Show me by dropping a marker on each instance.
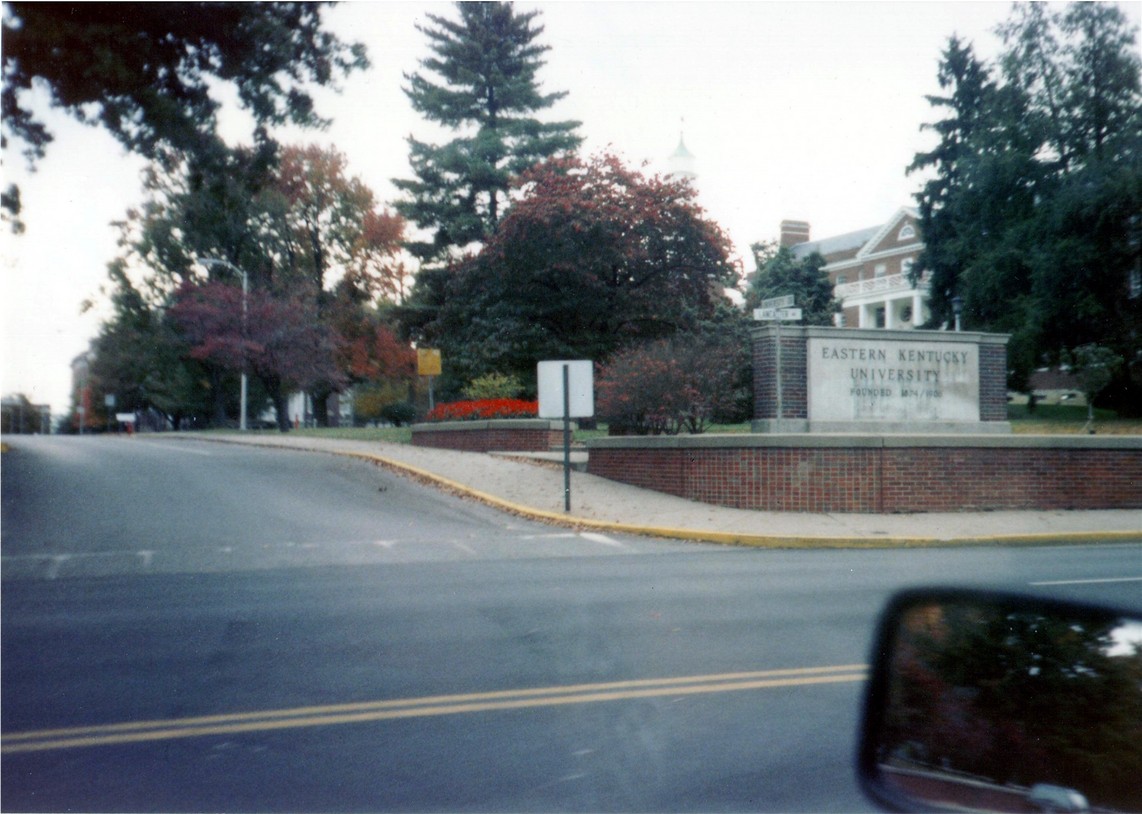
(682, 163)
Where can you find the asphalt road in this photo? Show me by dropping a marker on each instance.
(201, 627)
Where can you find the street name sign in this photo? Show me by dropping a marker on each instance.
(771, 314)
(778, 302)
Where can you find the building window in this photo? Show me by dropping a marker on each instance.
(841, 279)
(906, 232)
(881, 269)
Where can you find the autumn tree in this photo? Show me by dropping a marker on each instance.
(593, 256)
(276, 338)
(152, 73)
(323, 220)
(298, 229)
(673, 385)
(480, 83)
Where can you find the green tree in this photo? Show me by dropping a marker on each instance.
(1031, 214)
(481, 82)
(140, 357)
(1095, 367)
(779, 273)
(150, 72)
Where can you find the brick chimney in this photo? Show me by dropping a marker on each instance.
(794, 232)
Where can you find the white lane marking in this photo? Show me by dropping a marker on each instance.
(54, 566)
(55, 562)
(464, 547)
(601, 539)
(1087, 581)
(590, 536)
(385, 544)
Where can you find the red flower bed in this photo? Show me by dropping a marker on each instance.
(484, 409)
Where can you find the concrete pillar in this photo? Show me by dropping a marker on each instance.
(889, 314)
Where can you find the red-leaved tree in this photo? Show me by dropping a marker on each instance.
(670, 386)
(593, 256)
(278, 339)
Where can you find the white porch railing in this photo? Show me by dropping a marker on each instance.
(888, 284)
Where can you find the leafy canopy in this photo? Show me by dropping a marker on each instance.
(144, 70)
(149, 72)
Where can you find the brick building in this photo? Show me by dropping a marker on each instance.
(869, 270)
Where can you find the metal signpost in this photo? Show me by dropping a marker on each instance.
(778, 310)
(566, 389)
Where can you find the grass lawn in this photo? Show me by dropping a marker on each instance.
(1046, 419)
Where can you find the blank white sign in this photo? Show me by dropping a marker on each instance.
(581, 380)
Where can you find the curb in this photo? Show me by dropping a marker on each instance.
(718, 537)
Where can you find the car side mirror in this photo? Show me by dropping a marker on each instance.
(998, 702)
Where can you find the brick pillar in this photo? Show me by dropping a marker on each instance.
(794, 394)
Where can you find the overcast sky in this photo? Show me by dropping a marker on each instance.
(806, 110)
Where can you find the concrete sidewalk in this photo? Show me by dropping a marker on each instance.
(533, 487)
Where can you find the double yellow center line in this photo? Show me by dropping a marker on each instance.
(332, 715)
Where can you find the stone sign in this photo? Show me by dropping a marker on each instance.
(863, 379)
(830, 380)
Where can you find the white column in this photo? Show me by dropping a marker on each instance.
(889, 313)
(918, 317)
(864, 316)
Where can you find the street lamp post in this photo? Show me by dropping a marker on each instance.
(214, 261)
(957, 309)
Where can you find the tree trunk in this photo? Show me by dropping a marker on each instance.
(281, 409)
(320, 405)
(280, 401)
(217, 397)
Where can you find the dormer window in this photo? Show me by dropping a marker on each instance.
(906, 232)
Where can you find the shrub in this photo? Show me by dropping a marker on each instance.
(493, 386)
(399, 414)
(668, 386)
(484, 409)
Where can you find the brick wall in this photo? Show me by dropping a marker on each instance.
(882, 474)
(505, 435)
(992, 383)
(794, 373)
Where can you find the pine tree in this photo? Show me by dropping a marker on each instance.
(969, 101)
(1030, 215)
(487, 91)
